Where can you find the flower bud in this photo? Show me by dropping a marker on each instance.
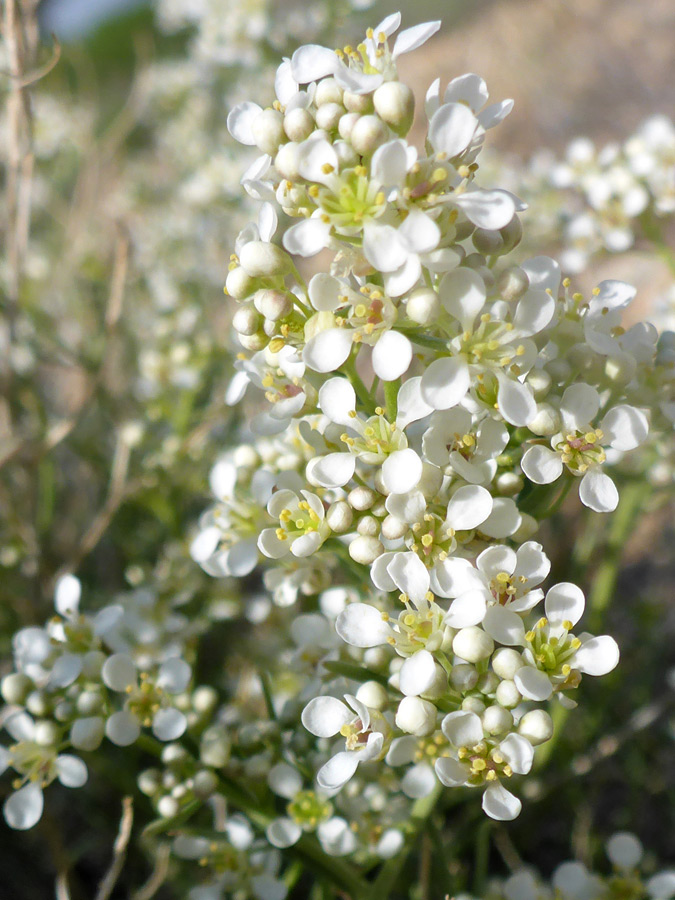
(214, 748)
(87, 733)
(393, 528)
(368, 525)
(148, 782)
(487, 683)
(16, 687)
(89, 703)
(298, 124)
(528, 528)
(373, 694)
(254, 342)
(346, 124)
(260, 259)
(395, 103)
(375, 657)
(431, 480)
(496, 720)
(620, 368)
(273, 305)
(546, 422)
(37, 703)
(328, 115)
(509, 483)
(416, 716)
(537, 726)
(540, 382)
(474, 705)
(439, 685)
(423, 306)
(368, 134)
(168, 807)
(246, 320)
(487, 242)
(361, 498)
(463, 677)
(286, 161)
(204, 784)
(508, 695)
(64, 711)
(506, 662)
(358, 103)
(204, 699)
(339, 517)
(347, 156)
(46, 733)
(268, 131)
(239, 284)
(92, 663)
(472, 644)
(365, 549)
(328, 91)
(511, 234)
(244, 456)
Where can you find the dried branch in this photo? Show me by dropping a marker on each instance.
(158, 876)
(61, 888)
(119, 850)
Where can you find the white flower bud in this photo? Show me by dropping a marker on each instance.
(474, 705)
(375, 657)
(439, 686)
(63, 711)
(347, 156)
(582, 357)
(245, 456)
(339, 517)
(546, 422)
(168, 807)
(512, 234)
(536, 726)
(393, 528)
(87, 734)
(506, 662)
(365, 549)
(204, 784)
(540, 382)
(261, 259)
(37, 704)
(239, 284)
(373, 694)
(473, 644)
(379, 509)
(298, 124)
(368, 525)
(204, 699)
(416, 716)
(509, 483)
(346, 124)
(328, 91)
(172, 753)
(328, 115)
(246, 320)
(46, 733)
(361, 498)
(620, 368)
(89, 702)
(368, 134)
(273, 305)
(430, 482)
(496, 720)
(395, 104)
(358, 103)
(286, 161)
(253, 342)
(423, 306)
(487, 242)
(214, 749)
(508, 695)
(559, 370)
(463, 677)
(487, 683)
(268, 131)
(528, 528)
(16, 687)
(512, 283)
(148, 782)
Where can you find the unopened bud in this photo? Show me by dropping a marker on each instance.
(487, 242)
(361, 498)
(546, 422)
(496, 720)
(268, 131)
(368, 134)
(87, 734)
(620, 368)
(16, 687)
(509, 483)
(373, 694)
(246, 320)
(540, 382)
(463, 677)
(506, 662)
(168, 807)
(512, 234)
(273, 304)
(416, 716)
(358, 103)
(328, 91)
(261, 259)
(46, 733)
(328, 115)
(393, 528)
(346, 124)
(347, 156)
(286, 161)
(239, 284)
(536, 726)
(254, 342)
(472, 644)
(368, 525)
(298, 124)
(423, 306)
(339, 517)
(473, 704)
(365, 549)
(395, 104)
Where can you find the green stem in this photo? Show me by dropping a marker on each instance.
(481, 857)
(391, 398)
(362, 393)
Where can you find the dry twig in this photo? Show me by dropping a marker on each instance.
(120, 851)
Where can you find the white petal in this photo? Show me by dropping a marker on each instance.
(420, 232)
(270, 545)
(419, 781)
(389, 24)
(312, 62)
(23, 808)
(452, 128)
(468, 507)
(451, 772)
(543, 272)
(534, 312)
(306, 544)
(382, 247)
(242, 558)
(240, 120)
(533, 684)
(495, 113)
(662, 885)
(516, 401)
(408, 507)
(333, 470)
(308, 237)
(519, 753)
(411, 405)
(462, 294)
(67, 595)
(285, 86)
(402, 751)
(284, 780)
(379, 574)
(392, 840)
(119, 672)
(457, 576)
(122, 728)
(404, 278)
(541, 464)
(266, 887)
(467, 609)
(401, 471)
(392, 355)
(487, 209)
(624, 850)
(362, 625)
(409, 574)
(579, 406)
(532, 563)
(283, 833)
(445, 382)
(390, 163)
(338, 770)
(174, 675)
(497, 559)
(325, 291)
(504, 626)
(598, 492)
(612, 295)
(626, 427)
(500, 804)
(328, 350)
(337, 399)
(267, 222)
(564, 601)
(504, 520)
(336, 837)
(462, 728)
(417, 674)
(325, 716)
(72, 771)
(470, 89)
(168, 724)
(317, 160)
(597, 656)
(414, 37)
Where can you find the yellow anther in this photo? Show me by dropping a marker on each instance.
(313, 190)
(427, 540)
(503, 577)
(566, 282)
(379, 411)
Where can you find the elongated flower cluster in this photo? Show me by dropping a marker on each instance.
(427, 405)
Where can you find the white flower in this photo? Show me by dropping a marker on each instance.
(302, 527)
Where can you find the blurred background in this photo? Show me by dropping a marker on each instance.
(121, 187)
